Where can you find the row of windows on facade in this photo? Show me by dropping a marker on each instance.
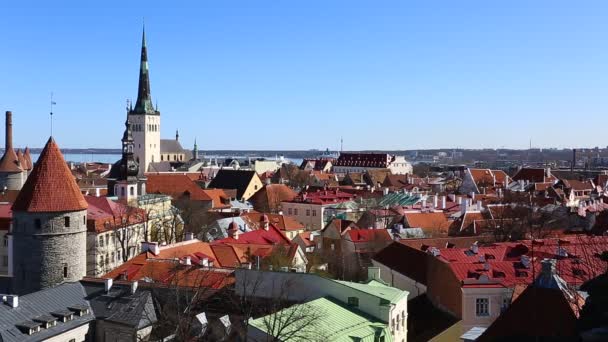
(482, 306)
(295, 212)
(111, 258)
(118, 233)
(140, 127)
(175, 157)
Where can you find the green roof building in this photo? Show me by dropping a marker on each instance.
(323, 319)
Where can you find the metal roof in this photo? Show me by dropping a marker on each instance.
(378, 289)
(39, 304)
(337, 322)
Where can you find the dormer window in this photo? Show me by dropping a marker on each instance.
(28, 327)
(79, 310)
(46, 321)
(63, 315)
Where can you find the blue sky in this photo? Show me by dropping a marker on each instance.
(300, 74)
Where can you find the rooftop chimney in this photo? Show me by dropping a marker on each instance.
(9, 130)
(149, 246)
(107, 284)
(134, 287)
(373, 273)
(573, 164)
(11, 300)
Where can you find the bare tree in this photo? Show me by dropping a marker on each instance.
(128, 225)
(299, 322)
(196, 216)
(183, 292)
(283, 318)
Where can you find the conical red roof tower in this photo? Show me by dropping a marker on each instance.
(51, 187)
(9, 162)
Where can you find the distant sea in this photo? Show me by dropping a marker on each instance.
(111, 158)
(86, 157)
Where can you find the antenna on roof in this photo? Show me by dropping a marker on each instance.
(52, 104)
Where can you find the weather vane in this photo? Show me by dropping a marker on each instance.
(52, 104)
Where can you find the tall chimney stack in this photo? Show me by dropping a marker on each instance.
(573, 159)
(9, 130)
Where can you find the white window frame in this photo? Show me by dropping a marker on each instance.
(480, 304)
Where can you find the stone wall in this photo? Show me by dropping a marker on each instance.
(12, 180)
(48, 253)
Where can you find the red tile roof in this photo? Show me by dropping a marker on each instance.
(104, 214)
(322, 197)
(28, 159)
(305, 237)
(534, 175)
(176, 186)
(432, 220)
(489, 177)
(368, 235)
(506, 269)
(51, 186)
(10, 162)
(269, 198)
(264, 237)
(168, 272)
(285, 223)
(376, 160)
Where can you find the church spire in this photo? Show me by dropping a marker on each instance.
(144, 100)
(128, 166)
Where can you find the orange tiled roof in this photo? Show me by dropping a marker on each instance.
(176, 186)
(10, 161)
(432, 220)
(51, 186)
(28, 159)
(285, 223)
(104, 214)
(218, 196)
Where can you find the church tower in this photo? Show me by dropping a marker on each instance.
(49, 229)
(128, 186)
(144, 118)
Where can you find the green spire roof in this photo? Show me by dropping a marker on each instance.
(144, 100)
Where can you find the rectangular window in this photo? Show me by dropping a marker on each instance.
(307, 212)
(482, 307)
(295, 211)
(65, 270)
(289, 211)
(353, 301)
(66, 221)
(101, 241)
(314, 212)
(38, 223)
(5, 260)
